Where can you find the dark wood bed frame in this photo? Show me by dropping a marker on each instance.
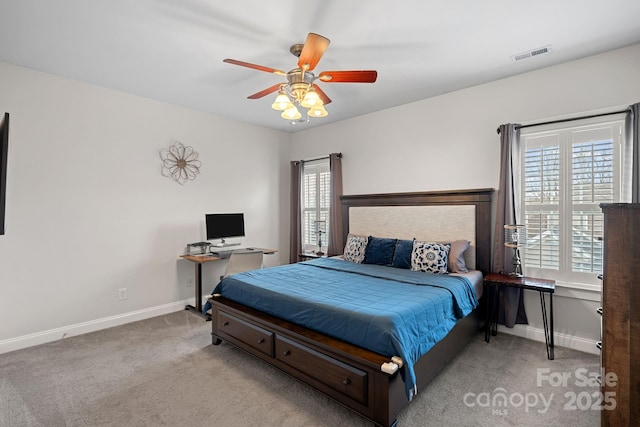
(346, 373)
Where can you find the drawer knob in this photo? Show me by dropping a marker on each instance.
(599, 344)
(286, 352)
(261, 341)
(599, 310)
(225, 324)
(346, 381)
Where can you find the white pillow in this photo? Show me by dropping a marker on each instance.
(457, 263)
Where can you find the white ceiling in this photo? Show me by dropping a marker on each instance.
(172, 50)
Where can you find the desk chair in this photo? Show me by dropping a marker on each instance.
(243, 261)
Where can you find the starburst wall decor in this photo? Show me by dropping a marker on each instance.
(180, 163)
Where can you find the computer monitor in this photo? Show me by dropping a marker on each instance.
(224, 225)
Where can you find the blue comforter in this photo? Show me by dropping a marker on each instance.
(391, 311)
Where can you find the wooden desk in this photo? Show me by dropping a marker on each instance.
(493, 281)
(198, 260)
(266, 251)
(306, 256)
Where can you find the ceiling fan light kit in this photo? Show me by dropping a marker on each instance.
(300, 89)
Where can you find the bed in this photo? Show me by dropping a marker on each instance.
(341, 349)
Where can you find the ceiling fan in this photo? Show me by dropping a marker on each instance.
(301, 88)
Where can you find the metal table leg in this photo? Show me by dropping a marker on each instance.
(547, 321)
(198, 307)
(491, 318)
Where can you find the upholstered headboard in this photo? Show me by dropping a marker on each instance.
(434, 216)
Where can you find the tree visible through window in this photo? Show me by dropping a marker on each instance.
(316, 201)
(567, 172)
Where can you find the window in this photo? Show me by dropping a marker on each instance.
(315, 202)
(566, 173)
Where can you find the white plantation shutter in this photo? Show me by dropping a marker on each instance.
(324, 198)
(316, 201)
(592, 182)
(310, 200)
(567, 173)
(542, 201)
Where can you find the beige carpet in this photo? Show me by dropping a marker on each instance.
(165, 372)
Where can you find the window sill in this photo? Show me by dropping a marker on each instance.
(581, 291)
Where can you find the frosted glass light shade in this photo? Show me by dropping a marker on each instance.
(291, 114)
(311, 99)
(282, 102)
(318, 111)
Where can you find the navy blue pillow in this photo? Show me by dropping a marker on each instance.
(379, 251)
(402, 254)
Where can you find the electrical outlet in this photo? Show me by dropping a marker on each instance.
(122, 294)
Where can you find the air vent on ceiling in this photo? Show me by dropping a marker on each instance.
(531, 53)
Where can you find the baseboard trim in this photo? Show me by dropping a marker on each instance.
(560, 340)
(50, 335)
(18, 343)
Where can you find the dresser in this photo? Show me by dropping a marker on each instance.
(621, 313)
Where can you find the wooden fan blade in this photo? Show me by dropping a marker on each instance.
(313, 49)
(325, 99)
(254, 66)
(353, 76)
(264, 92)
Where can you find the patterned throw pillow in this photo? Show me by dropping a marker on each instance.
(355, 248)
(430, 257)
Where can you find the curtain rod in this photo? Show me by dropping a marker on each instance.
(568, 120)
(320, 158)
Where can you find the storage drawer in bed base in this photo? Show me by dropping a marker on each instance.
(233, 328)
(341, 377)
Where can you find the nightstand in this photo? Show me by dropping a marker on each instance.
(492, 284)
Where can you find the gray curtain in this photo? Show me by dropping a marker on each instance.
(335, 214)
(631, 167)
(511, 302)
(295, 235)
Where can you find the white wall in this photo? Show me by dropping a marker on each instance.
(88, 211)
(450, 142)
